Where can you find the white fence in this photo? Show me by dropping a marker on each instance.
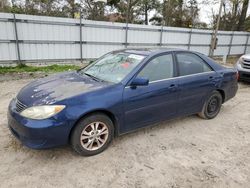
(33, 38)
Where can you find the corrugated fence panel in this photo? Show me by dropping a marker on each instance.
(221, 50)
(201, 37)
(248, 46)
(240, 40)
(8, 52)
(200, 41)
(30, 31)
(175, 36)
(7, 31)
(224, 38)
(45, 37)
(235, 50)
(94, 31)
(49, 51)
(94, 51)
(143, 34)
(53, 38)
(248, 50)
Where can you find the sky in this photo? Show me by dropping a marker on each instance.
(206, 10)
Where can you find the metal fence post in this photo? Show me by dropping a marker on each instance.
(81, 36)
(161, 33)
(17, 41)
(126, 36)
(190, 37)
(230, 44)
(246, 45)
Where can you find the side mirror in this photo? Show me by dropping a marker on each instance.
(139, 82)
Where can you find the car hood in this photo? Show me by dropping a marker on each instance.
(246, 56)
(58, 87)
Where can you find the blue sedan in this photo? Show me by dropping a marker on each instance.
(120, 92)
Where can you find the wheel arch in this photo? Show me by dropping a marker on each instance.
(98, 111)
(222, 92)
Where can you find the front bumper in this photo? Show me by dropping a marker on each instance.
(38, 134)
(244, 74)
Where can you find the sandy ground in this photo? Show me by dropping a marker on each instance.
(187, 152)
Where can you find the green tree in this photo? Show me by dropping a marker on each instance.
(93, 10)
(177, 13)
(243, 14)
(234, 15)
(145, 6)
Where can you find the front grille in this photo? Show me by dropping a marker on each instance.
(20, 106)
(246, 64)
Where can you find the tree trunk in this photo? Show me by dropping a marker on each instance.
(234, 15)
(128, 11)
(243, 15)
(146, 14)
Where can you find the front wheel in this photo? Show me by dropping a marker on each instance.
(212, 106)
(92, 134)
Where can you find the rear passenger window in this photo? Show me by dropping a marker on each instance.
(191, 64)
(159, 68)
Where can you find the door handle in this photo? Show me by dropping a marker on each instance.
(211, 78)
(173, 87)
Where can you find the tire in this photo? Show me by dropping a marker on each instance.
(87, 135)
(212, 106)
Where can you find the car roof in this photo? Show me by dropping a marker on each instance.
(154, 51)
(148, 51)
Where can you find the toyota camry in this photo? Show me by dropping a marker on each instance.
(120, 92)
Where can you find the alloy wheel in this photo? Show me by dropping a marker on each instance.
(94, 136)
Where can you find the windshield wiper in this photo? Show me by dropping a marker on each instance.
(93, 77)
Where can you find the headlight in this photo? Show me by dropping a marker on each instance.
(42, 112)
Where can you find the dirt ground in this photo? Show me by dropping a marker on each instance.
(187, 152)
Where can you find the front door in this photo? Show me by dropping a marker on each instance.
(157, 101)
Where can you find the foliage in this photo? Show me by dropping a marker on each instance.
(233, 15)
(178, 13)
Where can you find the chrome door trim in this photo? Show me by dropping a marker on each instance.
(177, 77)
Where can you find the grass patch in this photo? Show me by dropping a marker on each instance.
(46, 69)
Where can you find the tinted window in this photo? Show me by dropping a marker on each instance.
(191, 64)
(159, 68)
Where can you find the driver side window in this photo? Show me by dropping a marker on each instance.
(159, 68)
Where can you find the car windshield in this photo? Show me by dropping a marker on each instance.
(112, 67)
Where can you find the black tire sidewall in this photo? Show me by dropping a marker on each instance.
(214, 94)
(76, 134)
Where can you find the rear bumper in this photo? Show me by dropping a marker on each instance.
(37, 134)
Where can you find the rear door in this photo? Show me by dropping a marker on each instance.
(196, 81)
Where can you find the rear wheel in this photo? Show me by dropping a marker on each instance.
(212, 106)
(92, 134)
